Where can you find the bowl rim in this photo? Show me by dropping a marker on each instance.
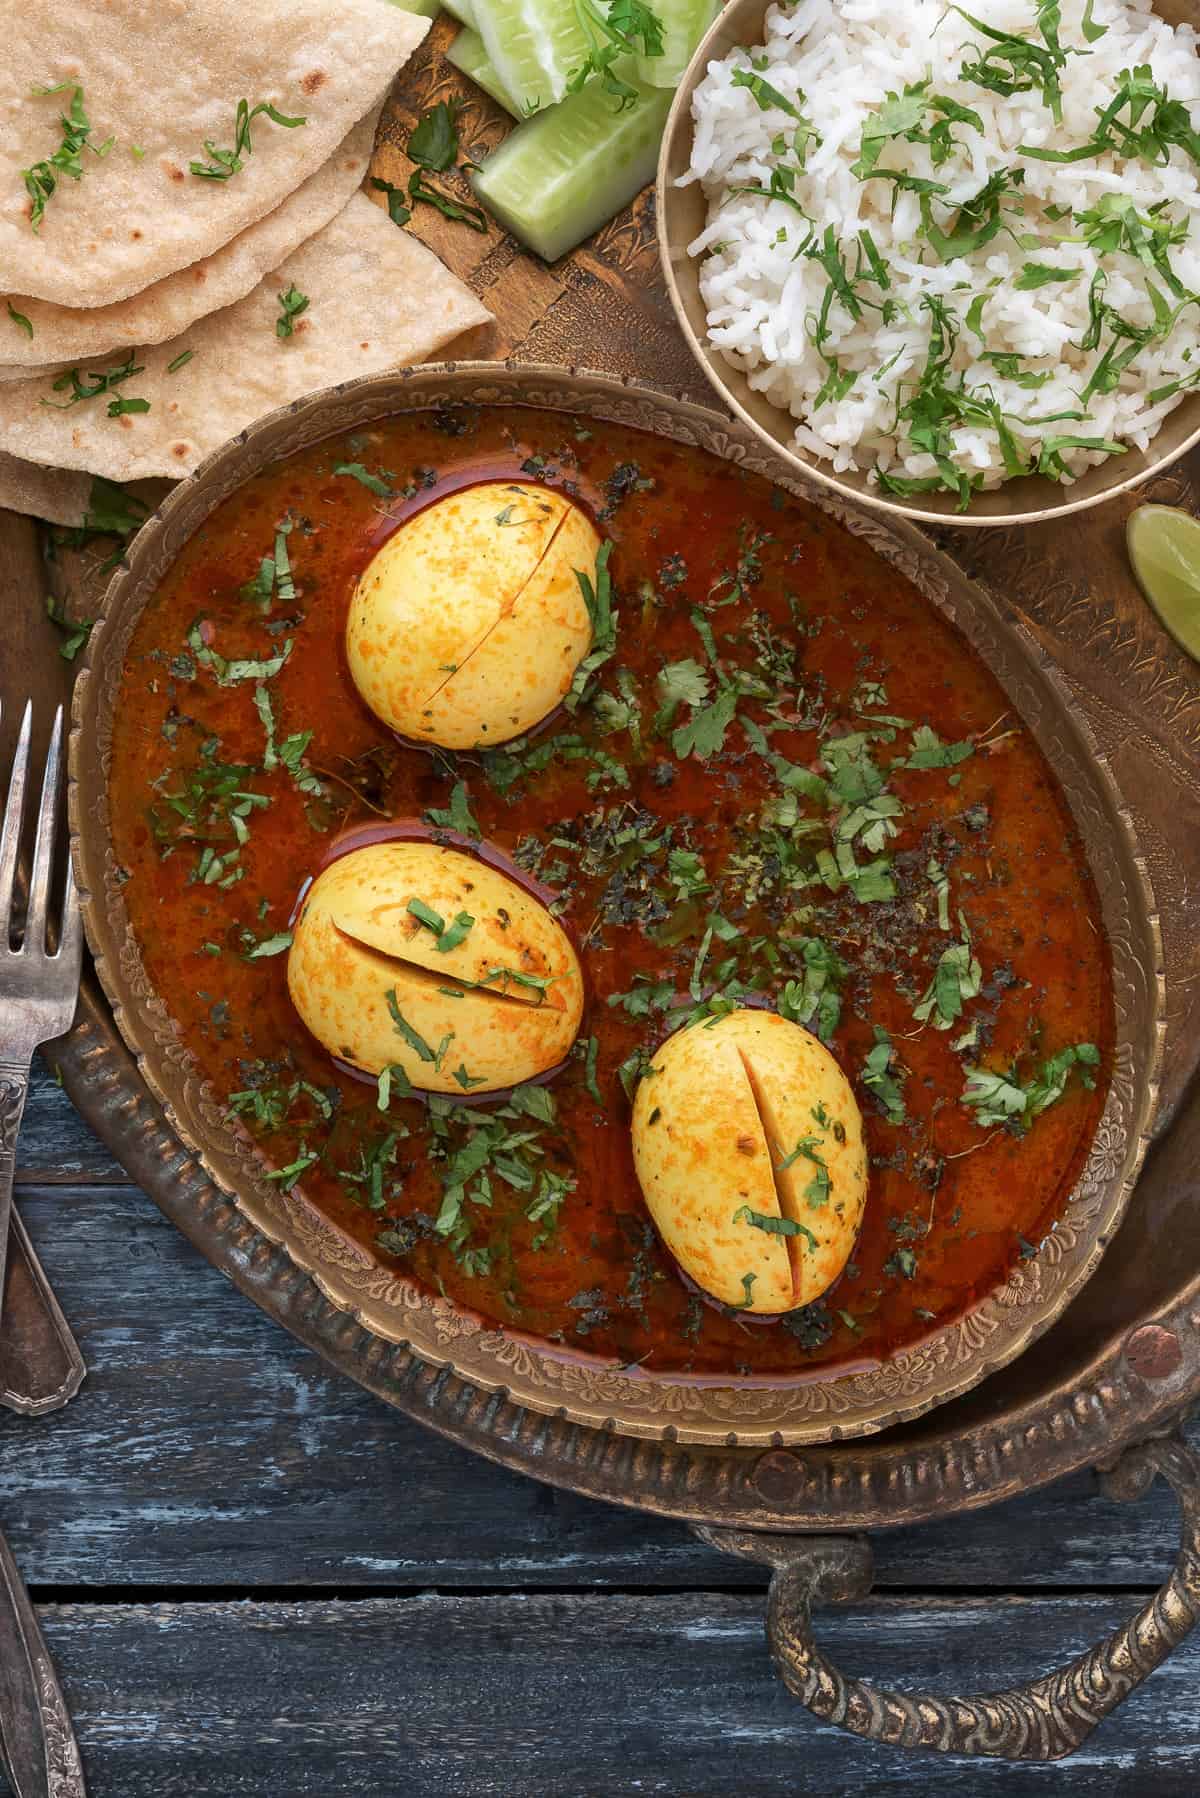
(940, 1366)
(665, 197)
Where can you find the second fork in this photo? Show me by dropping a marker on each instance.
(40, 1363)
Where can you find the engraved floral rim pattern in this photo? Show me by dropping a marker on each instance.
(944, 1364)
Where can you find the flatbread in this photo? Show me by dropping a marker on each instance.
(63, 335)
(377, 299)
(59, 495)
(162, 79)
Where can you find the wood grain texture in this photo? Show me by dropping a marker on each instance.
(208, 1447)
(438, 1696)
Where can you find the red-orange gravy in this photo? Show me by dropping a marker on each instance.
(951, 1204)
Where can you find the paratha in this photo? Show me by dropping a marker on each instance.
(61, 335)
(377, 298)
(164, 83)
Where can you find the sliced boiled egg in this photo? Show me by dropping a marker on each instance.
(467, 627)
(426, 959)
(748, 1145)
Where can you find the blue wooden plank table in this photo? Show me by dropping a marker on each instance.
(259, 1582)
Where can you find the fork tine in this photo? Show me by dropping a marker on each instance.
(10, 834)
(43, 853)
(71, 935)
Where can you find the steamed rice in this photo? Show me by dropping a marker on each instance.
(837, 62)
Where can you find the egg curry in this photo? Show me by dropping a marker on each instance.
(611, 894)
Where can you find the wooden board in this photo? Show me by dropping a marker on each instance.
(437, 1696)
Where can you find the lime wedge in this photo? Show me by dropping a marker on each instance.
(1164, 548)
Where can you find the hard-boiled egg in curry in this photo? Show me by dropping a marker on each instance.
(748, 1145)
(466, 628)
(425, 959)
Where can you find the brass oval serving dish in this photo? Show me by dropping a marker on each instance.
(682, 214)
(393, 1308)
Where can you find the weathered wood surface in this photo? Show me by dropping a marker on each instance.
(443, 1696)
(209, 1447)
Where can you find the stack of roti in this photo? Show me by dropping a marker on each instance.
(183, 242)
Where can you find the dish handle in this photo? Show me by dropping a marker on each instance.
(1041, 1721)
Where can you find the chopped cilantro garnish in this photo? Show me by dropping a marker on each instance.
(467, 1081)
(224, 163)
(76, 631)
(43, 178)
(228, 673)
(929, 751)
(765, 95)
(274, 577)
(747, 1299)
(433, 146)
(814, 999)
(291, 304)
(372, 482)
(703, 734)
(458, 815)
(288, 1176)
(1016, 65)
(393, 1076)
(398, 211)
(956, 978)
(433, 142)
(773, 1226)
(413, 1038)
(878, 1075)
(19, 320)
(95, 384)
(271, 945)
(598, 598)
(629, 28)
(1040, 274)
(998, 1098)
(447, 936)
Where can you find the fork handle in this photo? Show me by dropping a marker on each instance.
(40, 1363)
(14, 1084)
(38, 1743)
(41, 1366)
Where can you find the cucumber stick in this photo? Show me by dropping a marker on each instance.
(533, 45)
(564, 172)
(469, 54)
(462, 10)
(428, 9)
(684, 23)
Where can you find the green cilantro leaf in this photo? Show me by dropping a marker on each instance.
(956, 978)
(882, 1081)
(43, 178)
(433, 142)
(222, 164)
(458, 816)
(1040, 274)
(291, 303)
(362, 475)
(773, 1226)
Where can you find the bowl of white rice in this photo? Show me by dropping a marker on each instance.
(945, 259)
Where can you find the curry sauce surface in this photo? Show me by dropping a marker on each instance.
(839, 641)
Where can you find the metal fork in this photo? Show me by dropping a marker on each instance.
(38, 991)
